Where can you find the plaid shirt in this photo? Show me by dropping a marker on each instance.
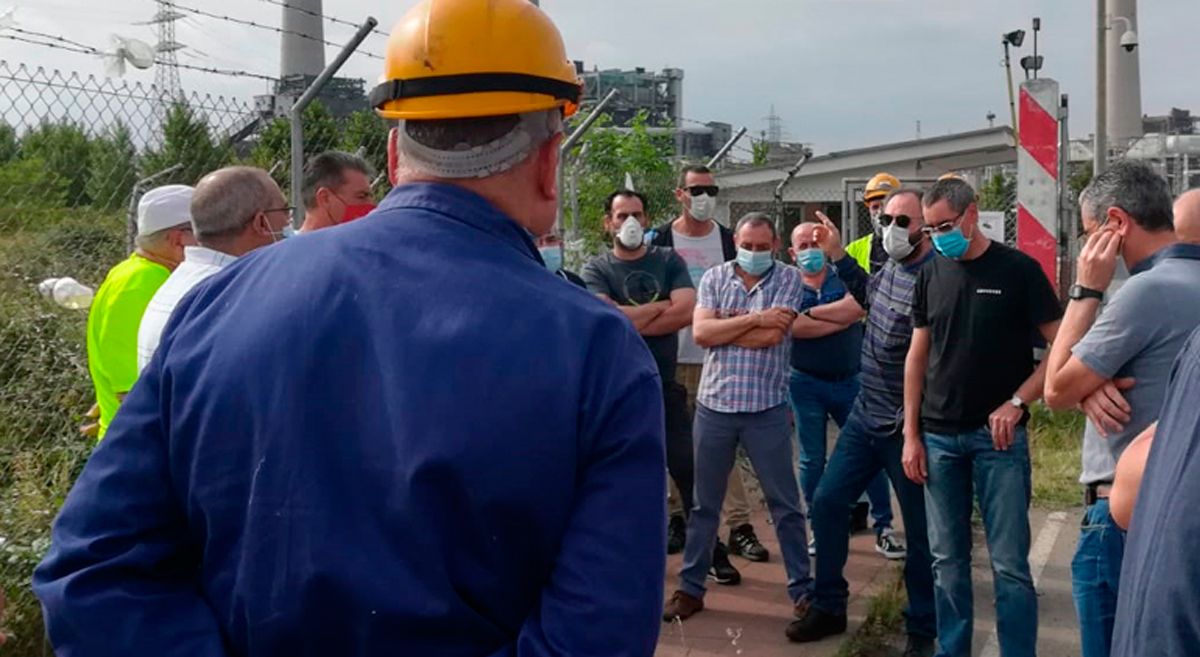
(737, 379)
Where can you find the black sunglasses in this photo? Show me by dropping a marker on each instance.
(711, 190)
(901, 220)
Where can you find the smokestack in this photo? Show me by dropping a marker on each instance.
(1124, 76)
(298, 55)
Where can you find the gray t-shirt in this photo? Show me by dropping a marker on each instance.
(651, 278)
(1139, 334)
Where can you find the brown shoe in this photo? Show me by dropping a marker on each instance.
(682, 606)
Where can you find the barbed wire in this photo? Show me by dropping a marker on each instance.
(331, 19)
(272, 28)
(76, 47)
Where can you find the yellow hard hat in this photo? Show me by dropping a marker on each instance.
(952, 175)
(456, 59)
(880, 186)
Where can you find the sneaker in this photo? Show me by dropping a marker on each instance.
(721, 571)
(744, 543)
(889, 546)
(681, 606)
(858, 517)
(815, 625)
(919, 646)
(812, 546)
(676, 534)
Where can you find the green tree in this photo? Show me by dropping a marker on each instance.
(367, 131)
(275, 142)
(65, 150)
(1079, 178)
(188, 141)
(113, 169)
(8, 143)
(611, 154)
(999, 194)
(761, 152)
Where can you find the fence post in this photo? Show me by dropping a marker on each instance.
(565, 150)
(1066, 268)
(806, 153)
(134, 196)
(297, 112)
(716, 159)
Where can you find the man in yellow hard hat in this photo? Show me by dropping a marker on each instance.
(868, 250)
(427, 448)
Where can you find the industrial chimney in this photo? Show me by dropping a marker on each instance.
(302, 56)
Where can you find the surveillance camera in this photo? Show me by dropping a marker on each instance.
(1129, 41)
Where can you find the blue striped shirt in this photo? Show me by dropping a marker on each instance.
(885, 346)
(737, 379)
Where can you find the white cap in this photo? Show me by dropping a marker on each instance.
(164, 207)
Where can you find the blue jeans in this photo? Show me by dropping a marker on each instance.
(767, 437)
(861, 455)
(1095, 575)
(813, 402)
(961, 467)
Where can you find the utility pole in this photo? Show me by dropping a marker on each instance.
(1100, 142)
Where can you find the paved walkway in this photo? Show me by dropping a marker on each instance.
(750, 619)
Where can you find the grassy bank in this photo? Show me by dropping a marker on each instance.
(1055, 442)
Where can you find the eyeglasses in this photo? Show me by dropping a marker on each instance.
(289, 209)
(945, 226)
(901, 220)
(697, 190)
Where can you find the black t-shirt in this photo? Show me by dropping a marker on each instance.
(982, 316)
(639, 282)
(571, 277)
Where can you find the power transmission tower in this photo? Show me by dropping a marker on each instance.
(166, 69)
(774, 127)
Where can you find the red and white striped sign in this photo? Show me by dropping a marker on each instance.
(1038, 175)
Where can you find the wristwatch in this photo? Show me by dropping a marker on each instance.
(1017, 402)
(1079, 292)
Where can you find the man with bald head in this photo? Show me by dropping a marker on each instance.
(1187, 217)
(823, 382)
(234, 211)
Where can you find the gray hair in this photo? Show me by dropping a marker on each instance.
(328, 170)
(754, 219)
(473, 147)
(228, 199)
(1135, 188)
(956, 192)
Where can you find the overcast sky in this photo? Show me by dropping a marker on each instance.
(840, 73)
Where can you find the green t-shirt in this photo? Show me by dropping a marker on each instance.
(112, 329)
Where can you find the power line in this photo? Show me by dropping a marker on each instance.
(73, 46)
(278, 30)
(331, 19)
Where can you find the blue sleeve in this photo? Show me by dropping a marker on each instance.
(854, 278)
(120, 577)
(605, 595)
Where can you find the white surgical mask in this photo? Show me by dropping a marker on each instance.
(631, 235)
(704, 207)
(895, 242)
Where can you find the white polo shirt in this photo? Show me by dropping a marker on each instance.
(198, 264)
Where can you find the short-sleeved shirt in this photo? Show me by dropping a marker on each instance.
(651, 278)
(885, 346)
(701, 254)
(112, 330)
(835, 356)
(1157, 612)
(198, 264)
(982, 316)
(1139, 334)
(737, 379)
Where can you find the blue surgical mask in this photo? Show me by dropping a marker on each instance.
(553, 257)
(952, 244)
(812, 261)
(755, 263)
(288, 231)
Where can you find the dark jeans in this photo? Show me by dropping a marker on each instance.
(767, 437)
(1095, 575)
(961, 467)
(814, 402)
(680, 463)
(860, 456)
